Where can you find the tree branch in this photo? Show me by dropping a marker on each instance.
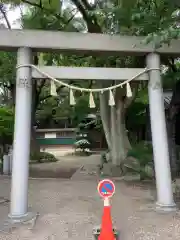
(8, 87)
(49, 11)
(33, 4)
(91, 21)
(88, 5)
(5, 16)
(70, 19)
(81, 9)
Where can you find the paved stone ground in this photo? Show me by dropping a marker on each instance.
(69, 209)
(64, 168)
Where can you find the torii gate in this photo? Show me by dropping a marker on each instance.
(27, 41)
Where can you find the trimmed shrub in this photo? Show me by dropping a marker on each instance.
(42, 157)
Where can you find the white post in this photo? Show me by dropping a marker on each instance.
(6, 165)
(10, 154)
(10, 162)
(159, 136)
(21, 148)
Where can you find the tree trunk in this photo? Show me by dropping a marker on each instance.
(126, 139)
(115, 153)
(172, 146)
(34, 143)
(113, 121)
(105, 117)
(121, 147)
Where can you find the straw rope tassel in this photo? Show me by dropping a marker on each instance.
(53, 89)
(91, 101)
(111, 98)
(128, 90)
(71, 97)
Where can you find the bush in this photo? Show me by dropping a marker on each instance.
(82, 145)
(83, 141)
(42, 157)
(6, 126)
(142, 152)
(141, 160)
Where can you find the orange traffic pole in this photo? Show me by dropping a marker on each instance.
(106, 232)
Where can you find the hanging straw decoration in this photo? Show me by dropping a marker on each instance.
(71, 97)
(128, 90)
(91, 101)
(75, 88)
(111, 98)
(53, 89)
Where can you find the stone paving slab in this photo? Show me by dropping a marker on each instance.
(69, 209)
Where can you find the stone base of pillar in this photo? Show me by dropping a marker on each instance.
(14, 221)
(23, 218)
(159, 208)
(166, 208)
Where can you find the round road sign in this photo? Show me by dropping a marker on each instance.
(106, 188)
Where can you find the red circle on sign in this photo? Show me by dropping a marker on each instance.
(106, 188)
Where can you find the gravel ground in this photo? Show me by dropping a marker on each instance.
(69, 209)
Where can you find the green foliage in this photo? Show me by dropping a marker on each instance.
(142, 155)
(136, 115)
(42, 157)
(81, 109)
(6, 125)
(7, 67)
(171, 77)
(7, 76)
(156, 20)
(50, 110)
(48, 4)
(50, 17)
(143, 152)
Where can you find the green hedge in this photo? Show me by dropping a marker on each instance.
(42, 157)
